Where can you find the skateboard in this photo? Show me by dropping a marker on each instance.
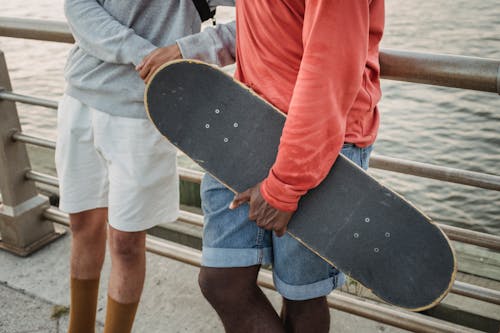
(350, 220)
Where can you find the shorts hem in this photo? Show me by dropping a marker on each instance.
(81, 206)
(136, 227)
(226, 257)
(308, 291)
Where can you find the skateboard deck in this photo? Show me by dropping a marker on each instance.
(350, 220)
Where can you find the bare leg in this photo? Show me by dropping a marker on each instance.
(306, 316)
(128, 268)
(88, 248)
(128, 265)
(239, 302)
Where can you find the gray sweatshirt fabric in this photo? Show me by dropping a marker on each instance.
(113, 36)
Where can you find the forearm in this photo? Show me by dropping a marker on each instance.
(214, 45)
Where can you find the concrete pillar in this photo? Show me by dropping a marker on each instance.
(22, 227)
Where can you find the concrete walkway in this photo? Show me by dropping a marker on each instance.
(34, 294)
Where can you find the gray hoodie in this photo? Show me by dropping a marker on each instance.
(113, 36)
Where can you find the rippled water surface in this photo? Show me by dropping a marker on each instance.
(450, 127)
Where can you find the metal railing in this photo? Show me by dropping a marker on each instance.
(436, 69)
(17, 177)
(337, 300)
(454, 233)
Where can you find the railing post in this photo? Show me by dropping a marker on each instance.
(23, 229)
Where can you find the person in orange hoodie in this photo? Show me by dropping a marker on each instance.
(317, 61)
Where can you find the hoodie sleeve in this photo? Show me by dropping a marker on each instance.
(215, 45)
(335, 47)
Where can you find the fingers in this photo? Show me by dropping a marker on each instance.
(280, 228)
(155, 59)
(145, 60)
(265, 220)
(240, 199)
(274, 223)
(264, 215)
(145, 72)
(149, 75)
(139, 67)
(146, 65)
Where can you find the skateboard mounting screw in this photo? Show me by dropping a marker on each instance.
(356, 235)
(376, 250)
(235, 124)
(207, 125)
(226, 139)
(367, 220)
(217, 111)
(387, 234)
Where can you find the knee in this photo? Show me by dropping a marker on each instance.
(210, 285)
(88, 225)
(127, 247)
(295, 308)
(226, 285)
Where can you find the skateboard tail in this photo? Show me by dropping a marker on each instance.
(414, 308)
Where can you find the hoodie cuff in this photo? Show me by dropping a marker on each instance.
(196, 46)
(280, 195)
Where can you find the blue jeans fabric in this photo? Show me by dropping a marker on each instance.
(230, 239)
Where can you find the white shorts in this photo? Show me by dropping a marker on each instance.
(116, 162)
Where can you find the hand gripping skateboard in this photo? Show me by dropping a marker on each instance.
(350, 220)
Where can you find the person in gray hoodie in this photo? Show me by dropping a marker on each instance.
(112, 164)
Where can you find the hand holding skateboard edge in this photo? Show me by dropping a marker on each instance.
(265, 215)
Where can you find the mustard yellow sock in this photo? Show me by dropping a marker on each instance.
(119, 316)
(83, 305)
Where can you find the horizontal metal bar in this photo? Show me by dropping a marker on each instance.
(392, 316)
(463, 235)
(55, 215)
(52, 31)
(454, 233)
(189, 175)
(441, 69)
(477, 292)
(50, 180)
(42, 178)
(460, 288)
(34, 140)
(451, 175)
(471, 237)
(10, 96)
(337, 300)
(191, 218)
(436, 69)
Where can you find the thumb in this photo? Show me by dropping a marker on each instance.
(239, 199)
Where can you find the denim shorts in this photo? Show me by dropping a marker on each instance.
(230, 239)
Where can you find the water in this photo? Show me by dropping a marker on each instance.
(450, 127)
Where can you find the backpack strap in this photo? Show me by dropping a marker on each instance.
(204, 10)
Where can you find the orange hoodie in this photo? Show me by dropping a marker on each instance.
(317, 61)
